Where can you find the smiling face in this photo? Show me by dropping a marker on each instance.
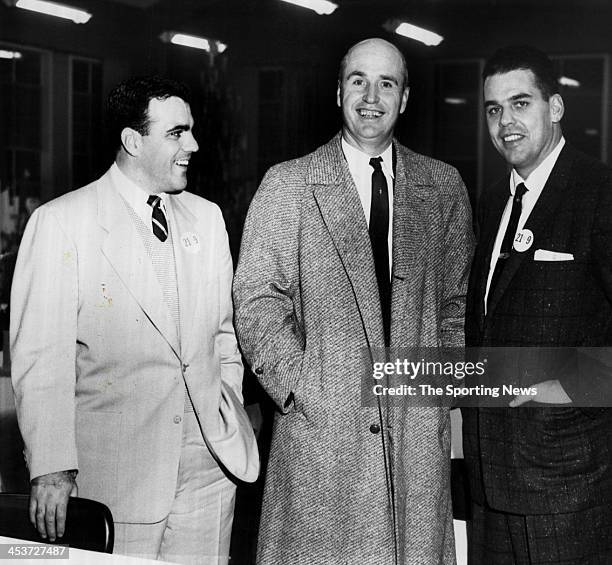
(523, 126)
(163, 153)
(372, 94)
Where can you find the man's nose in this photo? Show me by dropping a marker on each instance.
(371, 94)
(505, 117)
(190, 144)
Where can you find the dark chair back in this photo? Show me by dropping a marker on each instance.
(89, 524)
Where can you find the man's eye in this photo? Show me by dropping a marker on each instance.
(358, 82)
(491, 111)
(521, 103)
(386, 84)
(176, 134)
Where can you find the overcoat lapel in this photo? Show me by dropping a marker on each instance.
(411, 213)
(342, 212)
(539, 222)
(126, 253)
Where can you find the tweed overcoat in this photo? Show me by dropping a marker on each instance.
(307, 307)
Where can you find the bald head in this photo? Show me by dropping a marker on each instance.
(374, 43)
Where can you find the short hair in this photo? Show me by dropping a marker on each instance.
(345, 59)
(515, 57)
(128, 103)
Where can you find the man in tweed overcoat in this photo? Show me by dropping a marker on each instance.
(345, 483)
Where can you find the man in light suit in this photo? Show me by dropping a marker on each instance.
(343, 251)
(126, 371)
(541, 477)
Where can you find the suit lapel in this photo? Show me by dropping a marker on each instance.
(342, 212)
(189, 250)
(498, 200)
(125, 251)
(539, 221)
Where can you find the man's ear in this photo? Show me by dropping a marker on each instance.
(404, 99)
(557, 108)
(131, 141)
(339, 95)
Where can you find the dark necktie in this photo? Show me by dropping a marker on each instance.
(379, 233)
(158, 218)
(506, 246)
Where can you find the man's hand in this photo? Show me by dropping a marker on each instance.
(548, 392)
(49, 500)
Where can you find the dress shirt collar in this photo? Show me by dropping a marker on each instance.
(134, 195)
(359, 162)
(539, 176)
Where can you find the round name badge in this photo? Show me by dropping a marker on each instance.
(190, 242)
(523, 240)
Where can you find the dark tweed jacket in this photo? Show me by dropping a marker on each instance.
(557, 459)
(307, 306)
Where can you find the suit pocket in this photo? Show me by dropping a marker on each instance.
(307, 393)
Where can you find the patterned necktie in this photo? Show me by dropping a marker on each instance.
(158, 218)
(379, 234)
(506, 246)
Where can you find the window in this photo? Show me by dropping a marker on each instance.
(21, 118)
(86, 127)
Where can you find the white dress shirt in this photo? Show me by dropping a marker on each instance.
(136, 196)
(361, 171)
(535, 184)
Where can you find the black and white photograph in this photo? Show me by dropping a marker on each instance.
(240, 241)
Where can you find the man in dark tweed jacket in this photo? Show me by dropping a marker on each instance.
(541, 477)
(347, 483)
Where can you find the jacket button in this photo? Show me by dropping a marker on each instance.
(177, 419)
(259, 371)
(185, 367)
(375, 428)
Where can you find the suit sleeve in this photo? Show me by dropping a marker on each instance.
(589, 380)
(265, 289)
(44, 305)
(458, 252)
(225, 339)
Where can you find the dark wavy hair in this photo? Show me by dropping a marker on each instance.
(515, 57)
(128, 103)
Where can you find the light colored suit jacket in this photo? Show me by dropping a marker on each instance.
(307, 308)
(98, 366)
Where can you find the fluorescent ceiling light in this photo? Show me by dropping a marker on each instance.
(193, 41)
(571, 82)
(455, 101)
(321, 7)
(190, 41)
(10, 54)
(415, 32)
(54, 9)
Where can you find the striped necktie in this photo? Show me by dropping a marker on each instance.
(158, 218)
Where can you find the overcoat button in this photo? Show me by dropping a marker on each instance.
(177, 419)
(375, 428)
(259, 371)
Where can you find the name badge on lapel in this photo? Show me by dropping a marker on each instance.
(190, 242)
(523, 240)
